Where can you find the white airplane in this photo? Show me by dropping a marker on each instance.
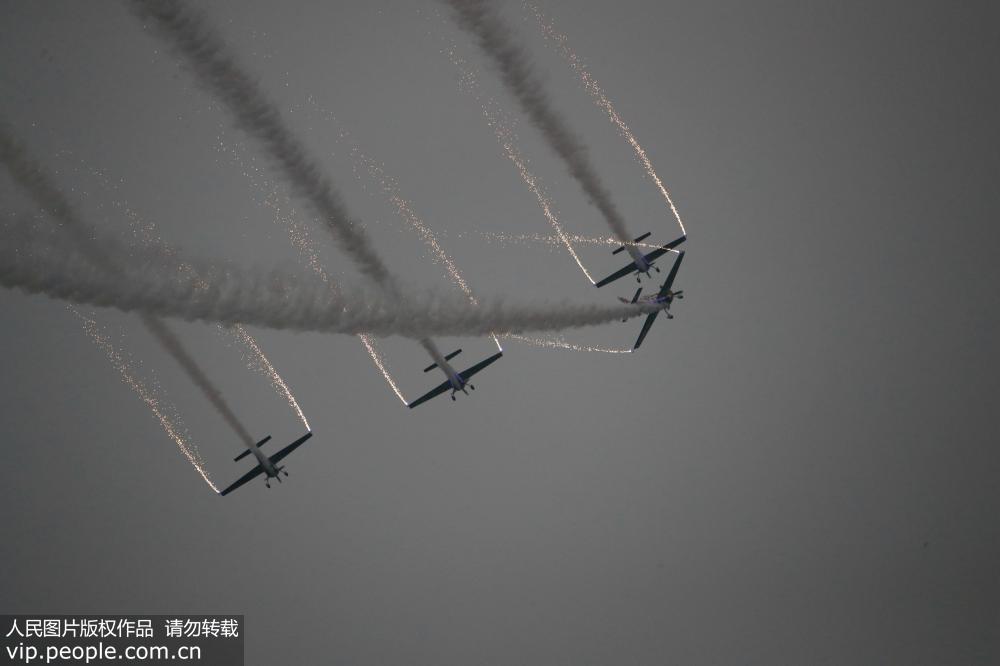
(457, 381)
(664, 297)
(641, 263)
(265, 465)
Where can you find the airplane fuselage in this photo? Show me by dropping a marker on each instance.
(269, 469)
(455, 379)
(641, 265)
(654, 299)
(666, 299)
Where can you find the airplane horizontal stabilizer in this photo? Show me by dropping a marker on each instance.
(247, 451)
(447, 358)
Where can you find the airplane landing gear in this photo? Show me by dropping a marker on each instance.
(472, 387)
(452, 396)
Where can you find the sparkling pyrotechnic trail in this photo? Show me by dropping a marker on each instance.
(120, 363)
(601, 99)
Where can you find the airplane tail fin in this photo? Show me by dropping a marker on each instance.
(632, 302)
(447, 358)
(637, 240)
(247, 452)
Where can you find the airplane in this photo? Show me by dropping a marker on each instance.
(265, 465)
(664, 297)
(457, 381)
(641, 263)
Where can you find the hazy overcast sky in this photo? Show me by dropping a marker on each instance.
(799, 468)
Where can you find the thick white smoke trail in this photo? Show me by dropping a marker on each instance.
(271, 299)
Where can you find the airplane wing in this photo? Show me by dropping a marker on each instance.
(663, 249)
(288, 449)
(433, 393)
(673, 274)
(466, 374)
(252, 474)
(650, 318)
(618, 274)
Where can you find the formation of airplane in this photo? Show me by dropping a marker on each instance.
(641, 263)
(665, 296)
(456, 381)
(265, 465)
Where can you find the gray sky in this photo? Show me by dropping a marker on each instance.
(799, 468)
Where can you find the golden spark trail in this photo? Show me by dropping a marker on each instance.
(298, 233)
(303, 242)
(262, 364)
(369, 344)
(595, 90)
(146, 231)
(173, 430)
(410, 217)
(506, 138)
(609, 241)
(406, 212)
(559, 343)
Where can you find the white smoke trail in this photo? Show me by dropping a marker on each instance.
(145, 284)
(601, 99)
(171, 424)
